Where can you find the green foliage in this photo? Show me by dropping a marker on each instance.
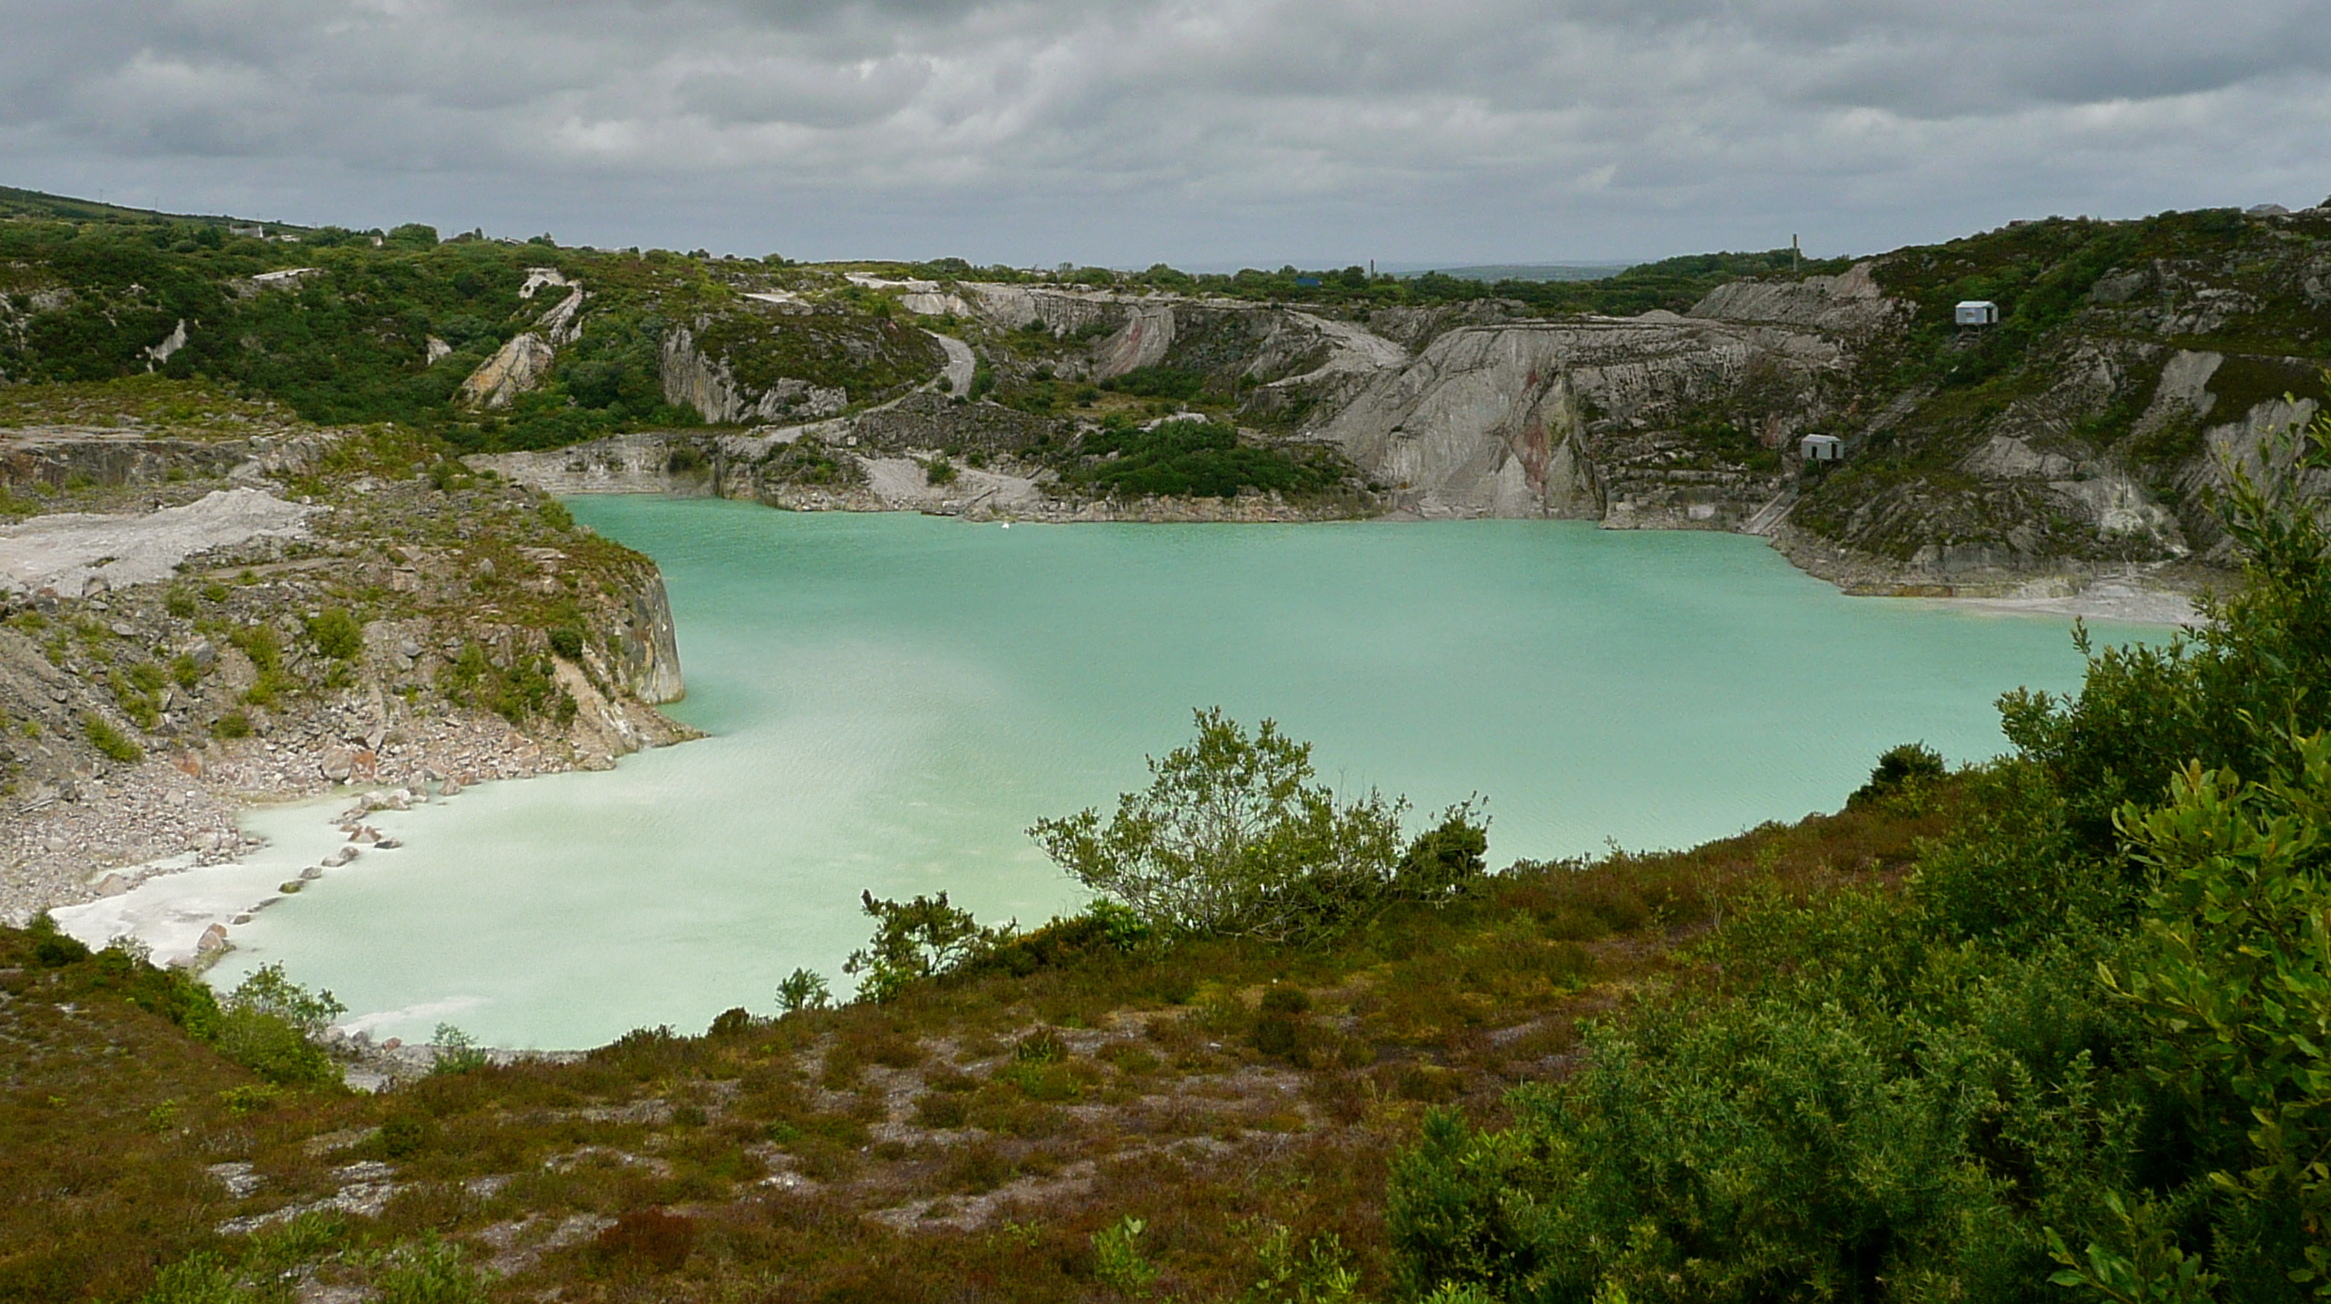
(1194, 458)
(2231, 694)
(1899, 767)
(525, 688)
(430, 1271)
(1158, 382)
(337, 634)
(1233, 838)
(2232, 969)
(112, 743)
(1815, 1139)
(268, 1025)
(2155, 1271)
(1117, 1259)
(916, 940)
(801, 990)
(197, 1279)
(455, 1051)
(1319, 1273)
(53, 949)
(1448, 860)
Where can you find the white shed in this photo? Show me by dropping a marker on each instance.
(1821, 448)
(1977, 312)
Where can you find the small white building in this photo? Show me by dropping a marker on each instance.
(1977, 312)
(1821, 448)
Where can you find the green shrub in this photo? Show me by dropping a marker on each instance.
(234, 724)
(111, 742)
(455, 1052)
(1446, 861)
(1234, 838)
(913, 941)
(430, 1271)
(262, 644)
(405, 1134)
(196, 1279)
(267, 1024)
(802, 990)
(53, 949)
(1898, 769)
(337, 634)
(1194, 458)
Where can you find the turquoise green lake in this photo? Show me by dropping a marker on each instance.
(893, 698)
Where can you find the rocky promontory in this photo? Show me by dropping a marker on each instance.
(242, 607)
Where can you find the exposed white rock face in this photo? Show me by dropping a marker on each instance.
(538, 277)
(1142, 341)
(75, 552)
(962, 363)
(283, 278)
(1849, 303)
(521, 365)
(170, 344)
(695, 380)
(516, 368)
(437, 350)
(1492, 421)
(618, 464)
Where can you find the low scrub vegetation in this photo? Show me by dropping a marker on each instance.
(2050, 1028)
(1194, 458)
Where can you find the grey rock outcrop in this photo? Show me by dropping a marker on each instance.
(693, 380)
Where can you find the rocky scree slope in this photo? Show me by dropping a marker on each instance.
(239, 604)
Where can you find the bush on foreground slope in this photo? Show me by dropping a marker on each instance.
(2082, 1055)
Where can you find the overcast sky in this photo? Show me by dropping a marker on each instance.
(1123, 132)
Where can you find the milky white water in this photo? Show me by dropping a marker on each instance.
(894, 698)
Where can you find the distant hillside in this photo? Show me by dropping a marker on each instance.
(35, 204)
(1494, 272)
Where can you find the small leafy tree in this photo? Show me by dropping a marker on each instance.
(456, 1051)
(801, 990)
(915, 940)
(1234, 838)
(1898, 768)
(1448, 860)
(269, 1024)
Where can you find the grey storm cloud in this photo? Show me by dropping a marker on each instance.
(1123, 129)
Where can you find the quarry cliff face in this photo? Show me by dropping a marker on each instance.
(2084, 433)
